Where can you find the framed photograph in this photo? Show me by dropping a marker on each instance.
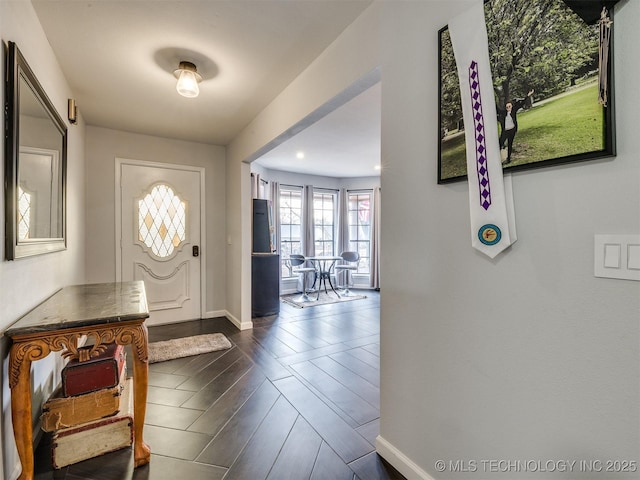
(545, 66)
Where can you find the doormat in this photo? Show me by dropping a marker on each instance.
(325, 299)
(187, 346)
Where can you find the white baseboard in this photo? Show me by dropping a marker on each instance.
(215, 314)
(400, 461)
(238, 323)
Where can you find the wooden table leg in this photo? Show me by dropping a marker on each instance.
(141, 451)
(21, 417)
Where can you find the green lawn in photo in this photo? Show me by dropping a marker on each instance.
(565, 125)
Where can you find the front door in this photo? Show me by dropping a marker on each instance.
(160, 236)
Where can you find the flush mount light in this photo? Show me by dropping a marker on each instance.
(188, 79)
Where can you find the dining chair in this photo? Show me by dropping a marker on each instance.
(299, 261)
(350, 264)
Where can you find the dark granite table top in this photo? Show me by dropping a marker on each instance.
(85, 305)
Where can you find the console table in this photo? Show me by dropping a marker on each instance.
(105, 313)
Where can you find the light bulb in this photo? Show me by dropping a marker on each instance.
(187, 85)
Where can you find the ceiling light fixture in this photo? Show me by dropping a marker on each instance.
(300, 155)
(188, 79)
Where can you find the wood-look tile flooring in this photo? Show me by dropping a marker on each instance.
(296, 397)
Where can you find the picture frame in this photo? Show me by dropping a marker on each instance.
(557, 59)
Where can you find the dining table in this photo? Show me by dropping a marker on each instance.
(324, 268)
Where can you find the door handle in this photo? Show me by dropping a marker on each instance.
(195, 251)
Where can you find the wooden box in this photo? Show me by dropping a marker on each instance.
(88, 440)
(64, 412)
(102, 371)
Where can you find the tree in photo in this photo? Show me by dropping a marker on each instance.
(537, 44)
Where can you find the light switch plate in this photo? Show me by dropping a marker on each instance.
(633, 258)
(617, 256)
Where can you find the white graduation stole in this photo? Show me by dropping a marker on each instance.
(490, 196)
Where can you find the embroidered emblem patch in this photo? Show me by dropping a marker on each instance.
(489, 234)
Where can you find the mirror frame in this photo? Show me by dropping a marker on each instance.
(17, 67)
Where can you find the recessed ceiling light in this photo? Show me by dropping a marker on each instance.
(378, 167)
(300, 155)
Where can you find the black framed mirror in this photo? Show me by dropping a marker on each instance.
(35, 165)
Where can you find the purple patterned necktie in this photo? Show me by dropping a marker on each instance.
(481, 159)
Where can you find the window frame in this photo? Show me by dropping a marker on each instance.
(364, 264)
(334, 225)
(285, 266)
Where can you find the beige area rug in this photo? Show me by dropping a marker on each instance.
(187, 346)
(325, 299)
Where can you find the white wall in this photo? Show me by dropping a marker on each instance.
(528, 356)
(103, 146)
(19, 292)
(525, 357)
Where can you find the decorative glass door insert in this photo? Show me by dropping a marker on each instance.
(162, 219)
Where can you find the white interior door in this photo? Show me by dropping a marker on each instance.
(160, 237)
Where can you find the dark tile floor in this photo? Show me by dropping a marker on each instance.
(296, 397)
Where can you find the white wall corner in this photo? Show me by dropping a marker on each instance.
(400, 461)
(241, 325)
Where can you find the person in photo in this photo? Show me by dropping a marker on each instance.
(507, 117)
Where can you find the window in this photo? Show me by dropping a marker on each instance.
(360, 228)
(324, 212)
(290, 226)
(325, 222)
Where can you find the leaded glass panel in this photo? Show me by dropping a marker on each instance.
(24, 214)
(162, 220)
